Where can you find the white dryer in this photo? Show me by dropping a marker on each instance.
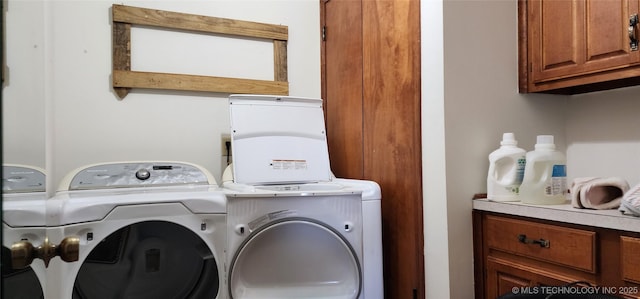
(143, 230)
(295, 231)
(23, 196)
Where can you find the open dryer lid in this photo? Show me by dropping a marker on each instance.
(278, 140)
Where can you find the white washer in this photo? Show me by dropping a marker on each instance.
(145, 230)
(295, 231)
(23, 195)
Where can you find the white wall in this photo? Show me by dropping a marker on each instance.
(479, 101)
(434, 178)
(23, 121)
(478, 93)
(603, 134)
(86, 123)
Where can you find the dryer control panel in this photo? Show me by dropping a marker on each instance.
(140, 174)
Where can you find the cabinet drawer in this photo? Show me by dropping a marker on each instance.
(570, 247)
(630, 258)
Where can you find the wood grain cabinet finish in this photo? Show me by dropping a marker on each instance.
(371, 87)
(630, 259)
(512, 251)
(576, 46)
(564, 246)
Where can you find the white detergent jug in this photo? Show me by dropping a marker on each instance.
(545, 174)
(506, 170)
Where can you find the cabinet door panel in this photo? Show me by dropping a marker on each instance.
(605, 18)
(630, 259)
(504, 275)
(556, 33)
(607, 37)
(560, 33)
(507, 281)
(579, 37)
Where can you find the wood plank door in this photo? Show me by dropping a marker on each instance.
(342, 87)
(371, 87)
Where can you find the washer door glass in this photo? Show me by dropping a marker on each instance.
(152, 259)
(19, 283)
(295, 258)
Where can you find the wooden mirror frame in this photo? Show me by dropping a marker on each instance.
(124, 79)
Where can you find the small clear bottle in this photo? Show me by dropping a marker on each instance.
(545, 175)
(506, 170)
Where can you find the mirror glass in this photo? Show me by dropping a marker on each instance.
(23, 106)
(23, 145)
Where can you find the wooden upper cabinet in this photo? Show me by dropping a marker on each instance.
(575, 46)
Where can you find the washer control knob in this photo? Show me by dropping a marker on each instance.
(143, 174)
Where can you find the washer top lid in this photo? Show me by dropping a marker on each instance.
(278, 140)
(24, 209)
(136, 174)
(22, 178)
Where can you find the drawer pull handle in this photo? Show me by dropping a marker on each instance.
(633, 37)
(542, 242)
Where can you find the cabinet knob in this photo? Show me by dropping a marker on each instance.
(633, 37)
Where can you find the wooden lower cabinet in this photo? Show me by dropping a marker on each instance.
(503, 275)
(516, 253)
(631, 256)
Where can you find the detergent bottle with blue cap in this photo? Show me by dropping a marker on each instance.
(545, 174)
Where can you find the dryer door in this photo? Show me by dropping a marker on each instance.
(295, 258)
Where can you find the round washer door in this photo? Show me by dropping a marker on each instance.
(295, 258)
(151, 259)
(19, 283)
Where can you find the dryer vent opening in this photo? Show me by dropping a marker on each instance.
(152, 259)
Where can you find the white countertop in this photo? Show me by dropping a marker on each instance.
(612, 219)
